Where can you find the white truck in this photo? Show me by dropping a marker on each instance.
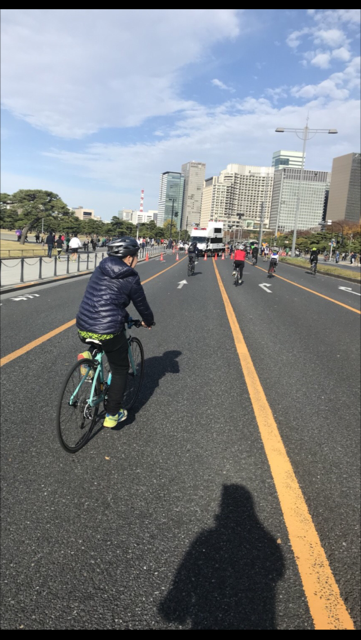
(209, 239)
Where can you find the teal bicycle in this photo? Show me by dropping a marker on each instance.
(85, 390)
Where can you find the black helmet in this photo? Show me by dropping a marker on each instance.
(123, 247)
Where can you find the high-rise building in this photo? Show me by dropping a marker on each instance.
(170, 198)
(136, 217)
(289, 159)
(239, 189)
(194, 173)
(344, 198)
(286, 189)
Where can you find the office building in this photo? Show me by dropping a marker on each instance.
(137, 217)
(344, 198)
(194, 174)
(170, 198)
(85, 214)
(290, 159)
(239, 189)
(314, 187)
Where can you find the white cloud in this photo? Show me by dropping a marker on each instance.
(243, 131)
(341, 54)
(322, 60)
(337, 86)
(221, 85)
(330, 38)
(295, 38)
(335, 16)
(276, 94)
(78, 71)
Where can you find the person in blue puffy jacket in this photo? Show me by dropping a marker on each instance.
(102, 316)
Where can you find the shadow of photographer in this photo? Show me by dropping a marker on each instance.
(228, 577)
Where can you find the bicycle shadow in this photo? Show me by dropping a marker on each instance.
(155, 369)
(228, 577)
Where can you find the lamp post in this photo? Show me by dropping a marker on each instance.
(171, 221)
(329, 223)
(305, 135)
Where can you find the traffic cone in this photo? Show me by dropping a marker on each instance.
(177, 258)
(205, 256)
(146, 257)
(231, 256)
(222, 256)
(216, 256)
(161, 257)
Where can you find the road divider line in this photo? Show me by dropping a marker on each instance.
(312, 291)
(326, 605)
(63, 327)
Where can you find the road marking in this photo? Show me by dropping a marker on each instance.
(341, 304)
(51, 334)
(182, 283)
(349, 290)
(263, 287)
(324, 600)
(26, 297)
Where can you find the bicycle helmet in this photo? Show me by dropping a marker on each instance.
(242, 247)
(123, 247)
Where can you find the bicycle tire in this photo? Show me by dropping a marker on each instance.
(134, 382)
(75, 423)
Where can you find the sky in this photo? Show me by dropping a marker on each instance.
(96, 104)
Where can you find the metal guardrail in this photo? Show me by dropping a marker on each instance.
(85, 261)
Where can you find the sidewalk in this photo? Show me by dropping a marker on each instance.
(24, 272)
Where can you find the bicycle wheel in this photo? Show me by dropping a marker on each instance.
(236, 280)
(189, 269)
(135, 377)
(75, 421)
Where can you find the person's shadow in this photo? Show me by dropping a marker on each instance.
(228, 577)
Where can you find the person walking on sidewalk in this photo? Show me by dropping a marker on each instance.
(59, 245)
(74, 246)
(50, 241)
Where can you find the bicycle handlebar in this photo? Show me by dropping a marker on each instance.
(132, 322)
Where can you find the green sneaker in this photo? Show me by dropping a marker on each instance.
(112, 421)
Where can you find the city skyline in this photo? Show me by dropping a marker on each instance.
(118, 117)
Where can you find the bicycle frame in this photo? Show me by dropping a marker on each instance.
(94, 398)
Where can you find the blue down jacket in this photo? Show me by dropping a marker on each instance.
(111, 288)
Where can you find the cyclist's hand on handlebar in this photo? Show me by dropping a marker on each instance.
(146, 326)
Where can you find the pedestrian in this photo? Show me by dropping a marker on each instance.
(67, 240)
(74, 246)
(18, 234)
(86, 244)
(50, 241)
(337, 257)
(37, 237)
(59, 245)
(94, 244)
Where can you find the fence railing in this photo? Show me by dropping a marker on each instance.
(28, 269)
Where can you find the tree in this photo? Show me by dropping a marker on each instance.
(33, 205)
(170, 232)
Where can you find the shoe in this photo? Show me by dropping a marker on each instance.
(233, 273)
(84, 369)
(112, 421)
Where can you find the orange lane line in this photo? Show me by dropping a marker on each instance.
(67, 325)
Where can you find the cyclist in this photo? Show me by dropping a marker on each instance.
(193, 253)
(314, 256)
(102, 316)
(274, 258)
(239, 260)
(255, 254)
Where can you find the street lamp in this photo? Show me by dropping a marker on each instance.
(303, 134)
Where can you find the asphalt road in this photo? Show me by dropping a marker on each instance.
(176, 520)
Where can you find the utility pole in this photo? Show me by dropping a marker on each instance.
(261, 225)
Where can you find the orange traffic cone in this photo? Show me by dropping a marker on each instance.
(177, 258)
(205, 256)
(161, 257)
(216, 256)
(146, 257)
(222, 256)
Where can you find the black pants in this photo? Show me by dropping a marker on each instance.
(239, 264)
(116, 350)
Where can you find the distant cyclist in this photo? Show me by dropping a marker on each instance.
(239, 260)
(193, 253)
(274, 258)
(255, 254)
(314, 256)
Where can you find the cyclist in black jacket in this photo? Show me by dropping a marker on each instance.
(193, 253)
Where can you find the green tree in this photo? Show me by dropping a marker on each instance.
(33, 205)
(170, 231)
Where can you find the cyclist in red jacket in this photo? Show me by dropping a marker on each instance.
(239, 260)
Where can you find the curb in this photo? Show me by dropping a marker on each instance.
(37, 283)
(330, 275)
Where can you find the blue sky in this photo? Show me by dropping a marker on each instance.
(96, 104)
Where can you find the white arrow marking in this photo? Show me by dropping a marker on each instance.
(350, 291)
(263, 287)
(26, 297)
(182, 283)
